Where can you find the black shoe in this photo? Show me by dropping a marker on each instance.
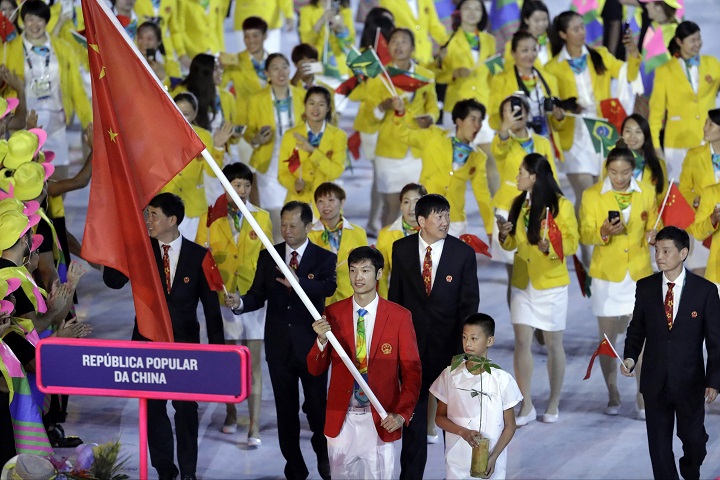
(189, 477)
(58, 439)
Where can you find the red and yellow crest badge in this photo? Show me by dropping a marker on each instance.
(253, 235)
(386, 348)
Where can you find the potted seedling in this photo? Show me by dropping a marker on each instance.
(476, 366)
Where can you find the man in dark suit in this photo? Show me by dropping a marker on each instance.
(380, 336)
(434, 276)
(289, 334)
(675, 311)
(179, 264)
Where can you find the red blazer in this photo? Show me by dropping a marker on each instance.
(393, 352)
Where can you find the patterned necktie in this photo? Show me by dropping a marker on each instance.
(578, 65)
(237, 217)
(294, 264)
(259, 67)
(361, 361)
(716, 162)
(623, 199)
(427, 271)
(669, 300)
(166, 267)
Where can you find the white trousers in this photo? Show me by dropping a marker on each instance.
(358, 451)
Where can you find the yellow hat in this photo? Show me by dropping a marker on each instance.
(28, 179)
(14, 225)
(23, 146)
(12, 203)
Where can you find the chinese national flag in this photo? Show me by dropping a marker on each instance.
(613, 110)
(555, 236)
(603, 349)
(212, 273)
(294, 161)
(354, 143)
(141, 141)
(478, 245)
(381, 48)
(677, 211)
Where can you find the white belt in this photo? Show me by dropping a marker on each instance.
(359, 410)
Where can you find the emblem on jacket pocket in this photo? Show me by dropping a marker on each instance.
(643, 216)
(186, 279)
(708, 79)
(310, 276)
(448, 278)
(693, 314)
(386, 348)
(253, 235)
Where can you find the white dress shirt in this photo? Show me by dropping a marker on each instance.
(435, 254)
(583, 82)
(677, 291)
(300, 251)
(692, 72)
(369, 324)
(173, 254)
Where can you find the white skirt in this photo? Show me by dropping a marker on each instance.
(246, 326)
(613, 299)
(392, 174)
(499, 254)
(674, 158)
(368, 142)
(582, 158)
(542, 309)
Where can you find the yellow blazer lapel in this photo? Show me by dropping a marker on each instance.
(681, 78)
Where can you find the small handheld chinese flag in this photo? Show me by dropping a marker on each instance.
(381, 48)
(613, 110)
(605, 348)
(294, 161)
(478, 245)
(212, 273)
(217, 211)
(554, 235)
(677, 211)
(354, 142)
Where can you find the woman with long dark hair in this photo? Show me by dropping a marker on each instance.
(540, 279)
(621, 253)
(685, 89)
(584, 73)
(534, 19)
(649, 168)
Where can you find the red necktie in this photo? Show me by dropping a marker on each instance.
(669, 300)
(294, 261)
(427, 271)
(166, 267)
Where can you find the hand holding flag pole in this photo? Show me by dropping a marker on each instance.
(605, 348)
(349, 363)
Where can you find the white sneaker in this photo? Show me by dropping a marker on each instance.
(432, 439)
(229, 429)
(254, 442)
(522, 420)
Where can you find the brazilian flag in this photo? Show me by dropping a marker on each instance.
(365, 63)
(604, 135)
(495, 64)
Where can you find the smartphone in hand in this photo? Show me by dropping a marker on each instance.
(613, 215)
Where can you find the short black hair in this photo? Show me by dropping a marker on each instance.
(188, 97)
(255, 23)
(431, 203)
(462, 109)
(363, 253)
(306, 213)
(304, 50)
(236, 170)
(329, 188)
(714, 115)
(170, 204)
(37, 8)
(272, 57)
(482, 320)
(680, 237)
(406, 31)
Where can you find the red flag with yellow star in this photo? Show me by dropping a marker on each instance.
(141, 141)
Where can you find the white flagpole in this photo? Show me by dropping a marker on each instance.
(327, 36)
(662, 209)
(293, 282)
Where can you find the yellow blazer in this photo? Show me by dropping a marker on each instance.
(505, 84)
(509, 155)
(245, 82)
(364, 121)
(309, 16)
(438, 176)
(424, 101)
(352, 237)
(385, 240)
(600, 83)
(532, 265)
(268, 10)
(673, 98)
(325, 164)
(649, 181)
(459, 55)
(203, 27)
(425, 25)
(172, 24)
(703, 228)
(697, 173)
(627, 252)
(261, 112)
(74, 98)
(188, 184)
(236, 259)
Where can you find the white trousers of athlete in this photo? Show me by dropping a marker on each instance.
(358, 451)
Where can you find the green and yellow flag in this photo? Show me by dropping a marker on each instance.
(603, 134)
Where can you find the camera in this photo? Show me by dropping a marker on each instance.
(569, 105)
